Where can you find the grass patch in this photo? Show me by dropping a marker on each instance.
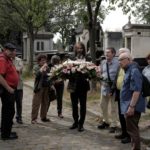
(27, 75)
(91, 96)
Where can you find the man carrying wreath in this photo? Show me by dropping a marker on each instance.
(78, 87)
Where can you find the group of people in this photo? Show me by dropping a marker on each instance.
(77, 86)
(43, 86)
(121, 86)
(11, 88)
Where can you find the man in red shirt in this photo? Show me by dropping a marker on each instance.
(8, 81)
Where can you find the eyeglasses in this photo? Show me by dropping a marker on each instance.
(120, 59)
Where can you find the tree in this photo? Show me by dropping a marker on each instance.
(93, 11)
(62, 18)
(142, 10)
(138, 8)
(29, 15)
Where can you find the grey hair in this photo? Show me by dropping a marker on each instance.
(124, 50)
(126, 54)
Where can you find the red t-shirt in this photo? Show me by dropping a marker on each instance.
(8, 70)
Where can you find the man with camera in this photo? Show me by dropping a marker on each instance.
(109, 68)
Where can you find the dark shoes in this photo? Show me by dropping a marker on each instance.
(104, 125)
(74, 126)
(120, 136)
(112, 129)
(45, 120)
(13, 136)
(19, 121)
(13, 133)
(126, 140)
(80, 128)
(60, 116)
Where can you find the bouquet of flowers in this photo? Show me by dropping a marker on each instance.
(71, 69)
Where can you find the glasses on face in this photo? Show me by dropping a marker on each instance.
(120, 59)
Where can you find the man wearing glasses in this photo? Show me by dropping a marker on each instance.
(132, 103)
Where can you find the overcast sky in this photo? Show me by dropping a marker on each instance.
(115, 21)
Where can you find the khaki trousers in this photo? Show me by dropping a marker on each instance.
(107, 104)
(40, 99)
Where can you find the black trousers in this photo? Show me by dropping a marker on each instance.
(121, 116)
(18, 100)
(59, 94)
(8, 112)
(79, 97)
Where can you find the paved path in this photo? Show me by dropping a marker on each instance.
(56, 135)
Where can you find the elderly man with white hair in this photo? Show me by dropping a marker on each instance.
(132, 103)
(124, 136)
(124, 50)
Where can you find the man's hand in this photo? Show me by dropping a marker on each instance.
(130, 111)
(44, 67)
(10, 90)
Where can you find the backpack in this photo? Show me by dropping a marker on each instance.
(145, 83)
(145, 86)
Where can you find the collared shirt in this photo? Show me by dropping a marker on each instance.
(113, 68)
(132, 82)
(120, 78)
(8, 70)
(19, 66)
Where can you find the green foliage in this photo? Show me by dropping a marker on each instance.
(28, 15)
(138, 8)
(142, 11)
(23, 13)
(61, 18)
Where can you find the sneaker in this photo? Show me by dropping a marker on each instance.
(112, 129)
(104, 125)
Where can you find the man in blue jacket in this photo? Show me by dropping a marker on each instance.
(132, 103)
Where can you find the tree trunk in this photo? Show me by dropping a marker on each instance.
(31, 37)
(92, 51)
(92, 43)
